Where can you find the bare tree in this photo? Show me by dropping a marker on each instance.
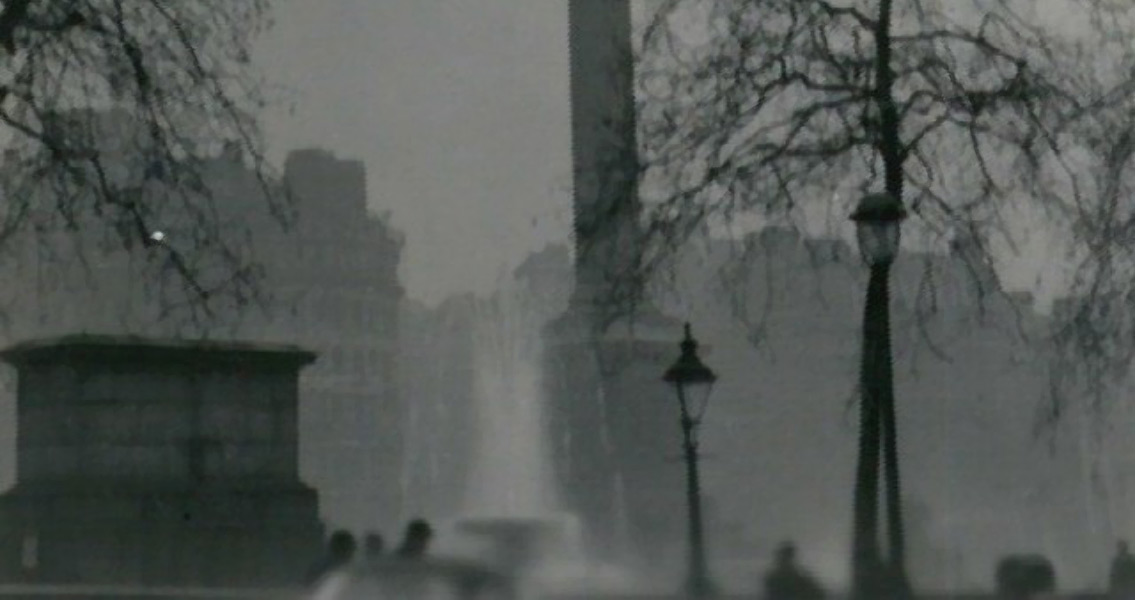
(1087, 190)
(782, 110)
(110, 109)
(772, 108)
(775, 108)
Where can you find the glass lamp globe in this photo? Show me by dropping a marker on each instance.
(877, 226)
(690, 377)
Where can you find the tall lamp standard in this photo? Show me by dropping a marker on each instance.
(877, 219)
(693, 382)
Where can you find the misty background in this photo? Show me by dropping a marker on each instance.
(458, 109)
(459, 112)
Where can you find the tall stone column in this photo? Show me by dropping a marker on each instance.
(612, 420)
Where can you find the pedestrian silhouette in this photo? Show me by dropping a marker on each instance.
(416, 541)
(787, 581)
(373, 547)
(1024, 576)
(1122, 578)
(340, 552)
(414, 578)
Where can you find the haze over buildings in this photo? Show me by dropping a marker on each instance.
(459, 112)
(331, 285)
(780, 425)
(982, 480)
(458, 109)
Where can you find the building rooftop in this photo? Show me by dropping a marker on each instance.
(143, 349)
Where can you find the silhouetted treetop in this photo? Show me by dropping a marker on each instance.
(788, 111)
(111, 110)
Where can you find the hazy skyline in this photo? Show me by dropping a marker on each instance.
(459, 110)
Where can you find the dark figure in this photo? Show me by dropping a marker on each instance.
(1122, 579)
(373, 547)
(1025, 576)
(340, 552)
(787, 581)
(416, 541)
(415, 577)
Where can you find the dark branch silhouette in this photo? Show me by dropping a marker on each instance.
(113, 108)
(771, 109)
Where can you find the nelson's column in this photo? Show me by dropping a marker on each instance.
(612, 421)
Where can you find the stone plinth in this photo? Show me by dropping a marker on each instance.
(151, 462)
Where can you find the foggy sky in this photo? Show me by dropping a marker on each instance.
(459, 109)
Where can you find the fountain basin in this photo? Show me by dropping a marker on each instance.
(517, 544)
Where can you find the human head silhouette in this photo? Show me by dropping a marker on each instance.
(417, 538)
(786, 554)
(373, 545)
(341, 546)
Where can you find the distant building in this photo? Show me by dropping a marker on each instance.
(436, 376)
(154, 462)
(347, 299)
(330, 283)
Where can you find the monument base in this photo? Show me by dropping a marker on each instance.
(615, 432)
(200, 537)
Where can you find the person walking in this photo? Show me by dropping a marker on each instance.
(787, 581)
(416, 541)
(1121, 584)
(340, 552)
(329, 577)
(374, 547)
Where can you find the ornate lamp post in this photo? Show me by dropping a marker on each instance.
(693, 382)
(877, 220)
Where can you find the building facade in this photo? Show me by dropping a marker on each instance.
(345, 300)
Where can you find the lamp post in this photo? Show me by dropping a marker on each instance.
(877, 220)
(693, 382)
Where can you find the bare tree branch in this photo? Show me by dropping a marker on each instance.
(115, 107)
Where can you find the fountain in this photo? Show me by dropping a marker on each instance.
(512, 517)
(512, 497)
(511, 472)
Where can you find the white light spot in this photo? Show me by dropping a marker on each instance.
(158, 236)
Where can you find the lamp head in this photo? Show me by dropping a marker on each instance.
(877, 226)
(691, 378)
(689, 369)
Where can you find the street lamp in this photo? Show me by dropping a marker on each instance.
(877, 219)
(693, 382)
